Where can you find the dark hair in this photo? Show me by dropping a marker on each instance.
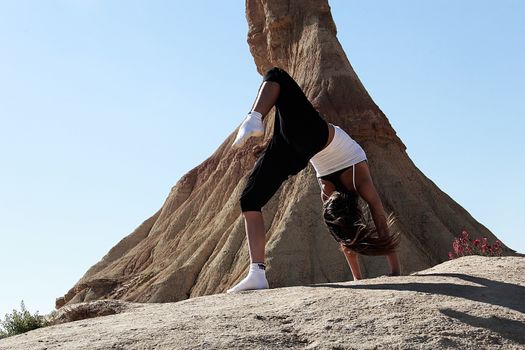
(350, 223)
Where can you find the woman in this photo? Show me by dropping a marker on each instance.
(300, 136)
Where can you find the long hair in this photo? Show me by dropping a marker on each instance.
(350, 223)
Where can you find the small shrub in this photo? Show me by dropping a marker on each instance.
(464, 245)
(20, 322)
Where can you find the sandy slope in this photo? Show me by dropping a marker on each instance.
(469, 303)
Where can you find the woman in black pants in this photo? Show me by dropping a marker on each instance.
(300, 136)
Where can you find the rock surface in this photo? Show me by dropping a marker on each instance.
(469, 303)
(195, 244)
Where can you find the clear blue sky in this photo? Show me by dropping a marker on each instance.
(104, 105)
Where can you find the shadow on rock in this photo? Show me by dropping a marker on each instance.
(509, 329)
(508, 295)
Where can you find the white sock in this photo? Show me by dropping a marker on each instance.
(251, 126)
(256, 279)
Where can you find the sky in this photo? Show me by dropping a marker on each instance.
(104, 105)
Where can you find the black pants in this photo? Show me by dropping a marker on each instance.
(299, 133)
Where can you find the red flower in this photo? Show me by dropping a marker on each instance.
(483, 244)
(458, 248)
(497, 248)
(463, 245)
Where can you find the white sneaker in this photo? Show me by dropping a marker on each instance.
(252, 126)
(256, 279)
(250, 282)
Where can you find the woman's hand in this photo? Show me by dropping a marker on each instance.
(327, 188)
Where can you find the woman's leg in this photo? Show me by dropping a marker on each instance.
(256, 278)
(253, 220)
(266, 97)
(252, 124)
(279, 160)
(255, 233)
(297, 121)
(265, 179)
(263, 182)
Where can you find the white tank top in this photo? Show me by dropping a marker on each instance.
(342, 152)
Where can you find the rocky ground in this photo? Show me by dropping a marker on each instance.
(469, 303)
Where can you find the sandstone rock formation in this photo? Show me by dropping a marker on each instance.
(469, 303)
(195, 244)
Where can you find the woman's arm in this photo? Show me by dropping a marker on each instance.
(353, 262)
(368, 192)
(327, 188)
